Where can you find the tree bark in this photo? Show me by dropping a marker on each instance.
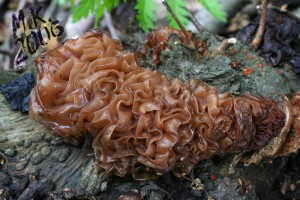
(34, 161)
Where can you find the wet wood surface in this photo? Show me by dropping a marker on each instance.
(34, 161)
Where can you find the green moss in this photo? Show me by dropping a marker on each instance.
(6, 76)
(179, 61)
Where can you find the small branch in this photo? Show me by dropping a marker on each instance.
(225, 44)
(261, 28)
(196, 23)
(186, 34)
(288, 13)
(21, 4)
(9, 55)
(4, 52)
(107, 21)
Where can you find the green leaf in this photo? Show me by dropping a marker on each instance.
(82, 10)
(179, 8)
(97, 7)
(215, 9)
(102, 6)
(61, 2)
(146, 15)
(99, 14)
(72, 3)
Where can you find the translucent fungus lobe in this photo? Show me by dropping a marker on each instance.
(137, 116)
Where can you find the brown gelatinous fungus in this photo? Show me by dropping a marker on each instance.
(137, 116)
(158, 41)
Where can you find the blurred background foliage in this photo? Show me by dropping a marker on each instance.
(145, 10)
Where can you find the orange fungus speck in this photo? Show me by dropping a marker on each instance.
(259, 65)
(227, 174)
(248, 71)
(234, 64)
(249, 56)
(213, 176)
(232, 51)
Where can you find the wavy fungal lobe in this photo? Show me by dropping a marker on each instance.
(137, 116)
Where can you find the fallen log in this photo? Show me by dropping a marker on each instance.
(36, 162)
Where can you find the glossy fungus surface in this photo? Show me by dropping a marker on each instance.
(137, 116)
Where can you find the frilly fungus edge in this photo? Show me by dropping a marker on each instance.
(137, 116)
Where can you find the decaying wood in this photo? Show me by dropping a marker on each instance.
(36, 161)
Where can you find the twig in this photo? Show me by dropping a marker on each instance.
(186, 34)
(225, 44)
(196, 183)
(108, 23)
(262, 23)
(21, 4)
(288, 13)
(9, 55)
(4, 52)
(196, 23)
